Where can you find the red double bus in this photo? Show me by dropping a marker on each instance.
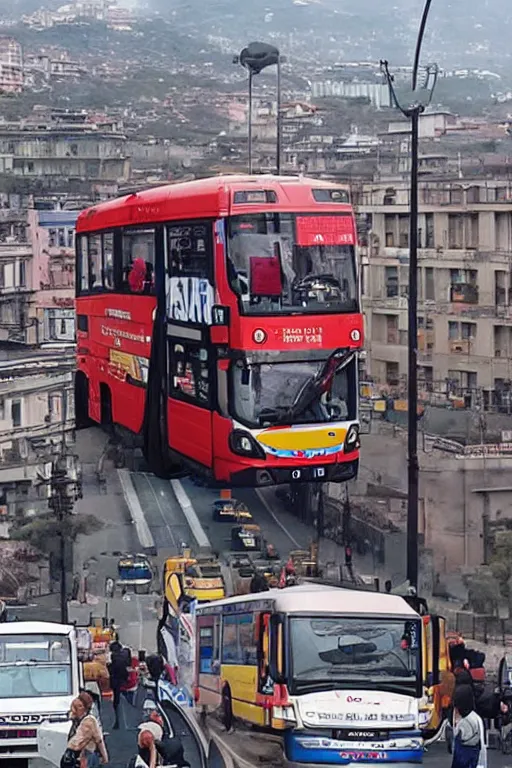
(220, 320)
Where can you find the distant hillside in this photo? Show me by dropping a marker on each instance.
(460, 32)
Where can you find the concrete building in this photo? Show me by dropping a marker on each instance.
(11, 66)
(53, 268)
(36, 415)
(465, 286)
(37, 350)
(63, 146)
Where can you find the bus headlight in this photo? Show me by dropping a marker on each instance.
(352, 439)
(244, 444)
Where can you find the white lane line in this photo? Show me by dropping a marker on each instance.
(138, 518)
(276, 519)
(188, 510)
(145, 475)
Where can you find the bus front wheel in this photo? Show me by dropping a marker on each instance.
(227, 708)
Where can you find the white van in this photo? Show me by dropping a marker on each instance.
(39, 676)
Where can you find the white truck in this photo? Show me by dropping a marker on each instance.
(40, 674)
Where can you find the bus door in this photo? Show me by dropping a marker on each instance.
(435, 658)
(189, 299)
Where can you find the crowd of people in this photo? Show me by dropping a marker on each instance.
(86, 746)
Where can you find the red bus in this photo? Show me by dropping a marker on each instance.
(220, 320)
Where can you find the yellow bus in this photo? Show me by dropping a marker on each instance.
(339, 673)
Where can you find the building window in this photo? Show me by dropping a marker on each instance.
(392, 329)
(429, 231)
(52, 238)
(391, 279)
(71, 238)
(453, 330)
(430, 293)
(61, 237)
(2, 409)
(59, 325)
(23, 274)
(464, 286)
(403, 230)
(16, 413)
(500, 288)
(389, 228)
(55, 406)
(392, 374)
(139, 261)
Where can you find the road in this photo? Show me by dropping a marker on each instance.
(135, 617)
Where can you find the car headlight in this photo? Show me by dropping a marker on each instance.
(352, 439)
(243, 444)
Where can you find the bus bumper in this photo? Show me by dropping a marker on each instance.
(258, 477)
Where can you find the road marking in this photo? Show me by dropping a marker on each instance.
(143, 533)
(175, 544)
(188, 510)
(276, 519)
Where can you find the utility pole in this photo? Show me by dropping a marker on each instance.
(420, 98)
(61, 503)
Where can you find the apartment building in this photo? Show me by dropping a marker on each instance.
(464, 287)
(37, 350)
(11, 66)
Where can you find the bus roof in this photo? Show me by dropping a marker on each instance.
(34, 628)
(206, 198)
(317, 598)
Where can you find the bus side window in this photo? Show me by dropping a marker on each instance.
(83, 263)
(108, 261)
(138, 261)
(95, 263)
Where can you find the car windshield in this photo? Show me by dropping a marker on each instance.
(35, 665)
(283, 262)
(263, 394)
(362, 651)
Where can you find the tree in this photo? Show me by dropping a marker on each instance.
(44, 531)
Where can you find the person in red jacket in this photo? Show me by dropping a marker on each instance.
(131, 686)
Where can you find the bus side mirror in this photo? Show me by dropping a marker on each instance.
(276, 662)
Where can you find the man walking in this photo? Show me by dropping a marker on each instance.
(120, 661)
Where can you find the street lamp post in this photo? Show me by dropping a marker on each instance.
(255, 58)
(420, 99)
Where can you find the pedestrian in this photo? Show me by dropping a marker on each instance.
(469, 738)
(120, 661)
(147, 755)
(86, 745)
(131, 686)
(258, 583)
(170, 748)
(388, 586)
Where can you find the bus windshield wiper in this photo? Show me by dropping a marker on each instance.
(311, 390)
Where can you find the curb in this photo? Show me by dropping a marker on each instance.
(138, 519)
(193, 521)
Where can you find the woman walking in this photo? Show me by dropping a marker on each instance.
(85, 738)
(469, 750)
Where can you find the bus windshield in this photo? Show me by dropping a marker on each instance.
(35, 665)
(359, 652)
(265, 394)
(282, 263)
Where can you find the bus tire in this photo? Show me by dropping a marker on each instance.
(106, 405)
(227, 708)
(82, 419)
